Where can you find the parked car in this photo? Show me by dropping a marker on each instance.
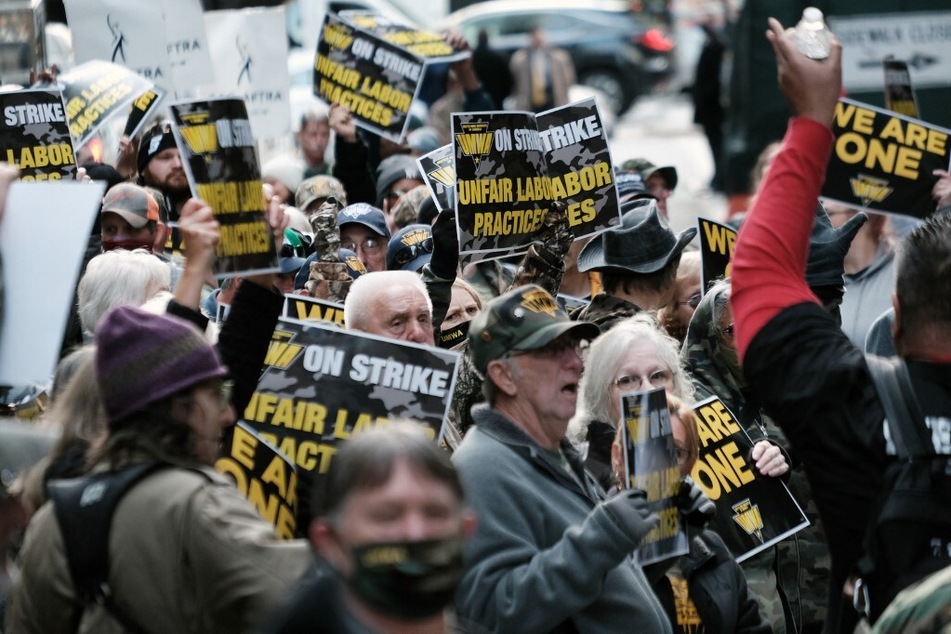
(615, 51)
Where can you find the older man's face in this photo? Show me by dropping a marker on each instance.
(402, 312)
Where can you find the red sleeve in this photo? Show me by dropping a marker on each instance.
(769, 262)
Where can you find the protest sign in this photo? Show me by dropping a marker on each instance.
(883, 161)
(130, 34)
(249, 49)
(264, 475)
(221, 162)
(187, 47)
(35, 135)
(439, 170)
(94, 92)
(31, 331)
(510, 166)
(305, 308)
(321, 385)
(762, 508)
(141, 111)
(374, 66)
(650, 464)
(899, 93)
(716, 251)
(578, 163)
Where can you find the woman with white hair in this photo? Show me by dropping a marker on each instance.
(634, 355)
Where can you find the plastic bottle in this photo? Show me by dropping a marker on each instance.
(812, 34)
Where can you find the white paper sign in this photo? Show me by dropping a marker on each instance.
(921, 39)
(249, 53)
(187, 45)
(39, 281)
(128, 33)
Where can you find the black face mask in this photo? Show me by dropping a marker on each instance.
(412, 580)
(455, 336)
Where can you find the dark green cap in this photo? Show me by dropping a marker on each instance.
(524, 318)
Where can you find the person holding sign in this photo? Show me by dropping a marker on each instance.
(706, 587)
(818, 387)
(550, 553)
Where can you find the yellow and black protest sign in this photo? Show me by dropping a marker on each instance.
(753, 511)
(883, 161)
(899, 92)
(650, 464)
(95, 91)
(34, 135)
(578, 162)
(440, 171)
(321, 385)
(219, 154)
(374, 66)
(716, 250)
(266, 477)
(141, 111)
(305, 308)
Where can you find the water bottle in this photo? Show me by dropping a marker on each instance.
(812, 34)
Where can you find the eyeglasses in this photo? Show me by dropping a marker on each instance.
(225, 392)
(410, 253)
(370, 245)
(693, 301)
(551, 350)
(630, 382)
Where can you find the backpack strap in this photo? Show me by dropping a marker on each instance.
(903, 414)
(84, 508)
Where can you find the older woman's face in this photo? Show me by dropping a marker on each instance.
(643, 368)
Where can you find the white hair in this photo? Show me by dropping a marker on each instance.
(119, 278)
(602, 361)
(365, 289)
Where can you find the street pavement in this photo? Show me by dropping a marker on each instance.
(660, 128)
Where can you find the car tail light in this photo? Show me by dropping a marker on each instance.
(655, 40)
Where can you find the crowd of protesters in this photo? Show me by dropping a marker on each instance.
(518, 521)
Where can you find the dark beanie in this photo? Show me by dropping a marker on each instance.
(143, 358)
(103, 172)
(392, 169)
(157, 138)
(827, 249)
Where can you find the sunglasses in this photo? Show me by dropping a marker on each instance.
(410, 253)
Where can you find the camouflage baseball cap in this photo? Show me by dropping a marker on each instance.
(647, 169)
(524, 318)
(316, 187)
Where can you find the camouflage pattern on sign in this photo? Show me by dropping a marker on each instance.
(578, 162)
(501, 191)
(220, 158)
(321, 385)
(35, 135)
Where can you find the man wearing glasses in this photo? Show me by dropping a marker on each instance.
(549, 554)
(363, 230)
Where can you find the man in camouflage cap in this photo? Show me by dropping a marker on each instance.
(550, 553)
(660, 181)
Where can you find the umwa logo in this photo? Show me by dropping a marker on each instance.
(539, 302)
(869, 189)
(445, 172)
(475, 141)
(749, 518)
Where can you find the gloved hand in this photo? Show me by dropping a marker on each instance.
(695, 507)
(631, 513)
(445, 258)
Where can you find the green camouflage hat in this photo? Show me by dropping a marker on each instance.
(524, 318)
(318, 187)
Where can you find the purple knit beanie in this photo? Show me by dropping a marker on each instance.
(142, 358)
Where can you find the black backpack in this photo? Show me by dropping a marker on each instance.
(84, 507)
(909, 536)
